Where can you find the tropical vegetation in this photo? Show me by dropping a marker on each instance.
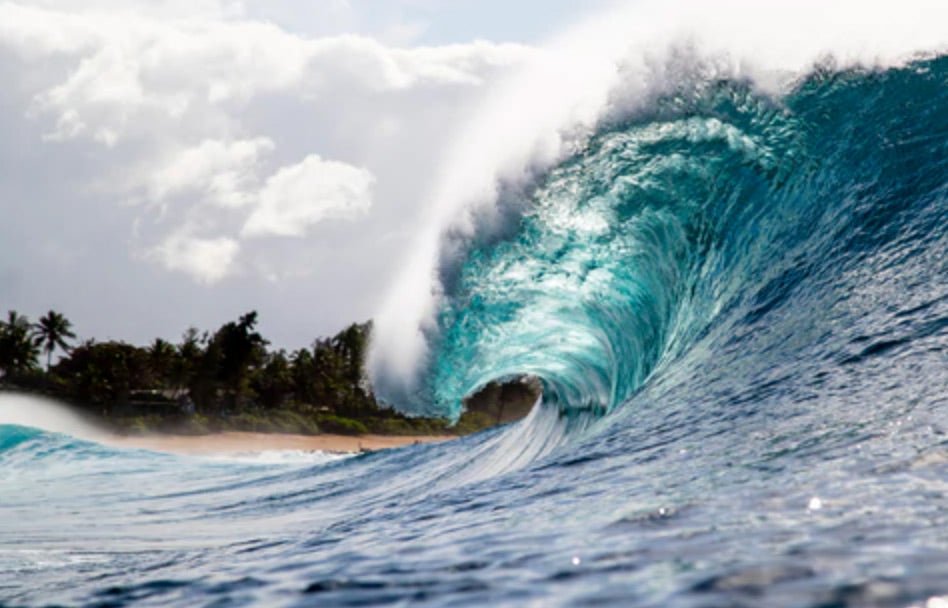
(227, 379)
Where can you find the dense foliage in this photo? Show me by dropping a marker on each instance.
(227, 379)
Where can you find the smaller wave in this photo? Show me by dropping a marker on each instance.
(48, 415)
(13, 435)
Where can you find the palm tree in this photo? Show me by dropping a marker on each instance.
(51, 332)
(162, 357)
(186, 361)
(17, 349)
(16, 321)
(242, 349)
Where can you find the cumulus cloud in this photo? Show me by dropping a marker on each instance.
(181, 109)
(306, 193)
(188, 149)
(131, 68)
(218, 172)
(206, 259)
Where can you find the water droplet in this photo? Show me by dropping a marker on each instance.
(576, 561)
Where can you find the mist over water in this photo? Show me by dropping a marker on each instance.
(48, 415)
(732, 280)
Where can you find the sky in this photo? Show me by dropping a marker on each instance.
(176, 163)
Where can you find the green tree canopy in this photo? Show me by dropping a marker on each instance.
(18, 350)
(104, 374)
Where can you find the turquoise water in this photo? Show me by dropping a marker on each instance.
(738, 307)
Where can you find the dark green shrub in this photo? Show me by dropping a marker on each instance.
(328, 423)
(473, 422)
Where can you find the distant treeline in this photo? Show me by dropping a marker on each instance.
(224, 380)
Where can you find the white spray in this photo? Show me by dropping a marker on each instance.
(613, 64)
(48, 415)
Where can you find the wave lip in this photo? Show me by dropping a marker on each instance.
(626, 65)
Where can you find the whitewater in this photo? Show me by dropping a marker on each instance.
(716, 235)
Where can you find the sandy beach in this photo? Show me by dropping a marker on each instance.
(236, 442)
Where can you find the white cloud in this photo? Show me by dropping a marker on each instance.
(180, 143)
(221, 173)
(292, 200)
(178, 103)
(132, 70)
(306, 193)
(207, 260)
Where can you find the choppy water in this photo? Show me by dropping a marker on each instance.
(738, 305)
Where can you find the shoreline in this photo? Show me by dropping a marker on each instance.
(234, 442)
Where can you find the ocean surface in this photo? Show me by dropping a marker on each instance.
(737, 302)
